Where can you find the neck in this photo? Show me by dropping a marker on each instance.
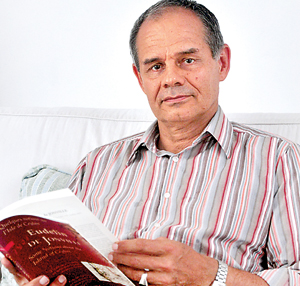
(175, 137)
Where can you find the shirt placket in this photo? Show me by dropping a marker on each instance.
(166, 197)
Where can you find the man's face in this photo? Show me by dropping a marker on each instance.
(177, 71)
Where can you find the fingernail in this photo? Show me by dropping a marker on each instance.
(62, 279)
(44, 280)
(110, 257)
(115, 246)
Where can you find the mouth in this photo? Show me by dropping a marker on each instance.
(175, 99)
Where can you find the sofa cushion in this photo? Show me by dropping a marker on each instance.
(43, 179)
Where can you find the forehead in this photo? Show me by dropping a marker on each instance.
(174, 29)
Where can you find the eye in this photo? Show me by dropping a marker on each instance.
(189, 61)
(156, 67)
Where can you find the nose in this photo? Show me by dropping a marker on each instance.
(173, 76)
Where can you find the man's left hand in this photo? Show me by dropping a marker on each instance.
(169, 262)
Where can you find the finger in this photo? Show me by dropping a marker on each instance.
(44, 280)
(134, 261)
(41, 280)
(157, 247)
(60, 280)
(139, 261)
(132, 274)
(153, 277)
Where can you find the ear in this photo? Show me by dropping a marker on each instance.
(138, 76)
(224, 62)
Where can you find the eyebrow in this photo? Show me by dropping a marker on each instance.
(186, 52)
(189, 51)
(151, 60)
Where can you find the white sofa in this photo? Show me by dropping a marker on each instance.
(61, 137)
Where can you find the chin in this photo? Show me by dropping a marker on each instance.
(173, 117)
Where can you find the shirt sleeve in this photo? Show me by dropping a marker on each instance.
(283, 244)
(76, 181)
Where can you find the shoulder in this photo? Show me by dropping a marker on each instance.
(251, 133)
(127, 144)
(99, 158)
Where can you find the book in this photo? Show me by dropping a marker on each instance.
(53, 234)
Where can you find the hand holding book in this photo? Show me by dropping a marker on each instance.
(39, 281)
(37, 242)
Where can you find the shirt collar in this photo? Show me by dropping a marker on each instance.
(148, 140)
(219, 127)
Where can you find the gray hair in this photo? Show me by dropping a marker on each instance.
(213, 35)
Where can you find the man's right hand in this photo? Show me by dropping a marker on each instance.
(41, 280)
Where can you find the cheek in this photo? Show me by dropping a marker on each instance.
(151, 90)
(151, 94)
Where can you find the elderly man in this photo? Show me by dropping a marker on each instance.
(196, 199)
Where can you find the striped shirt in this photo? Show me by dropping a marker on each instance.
(233, 195)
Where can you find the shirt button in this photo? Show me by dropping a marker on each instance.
(157, 225)
(167, 195)
(175, 159)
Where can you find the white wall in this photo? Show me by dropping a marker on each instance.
(75, 53)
